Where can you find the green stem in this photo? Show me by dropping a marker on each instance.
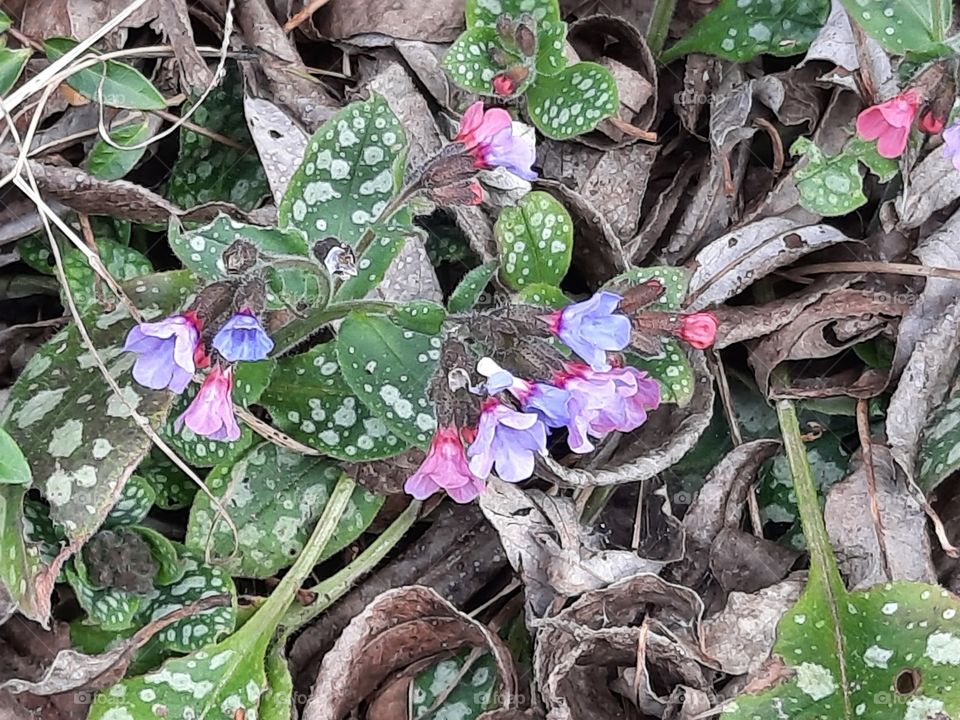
(337, 585)
(660, 25)
(936, 10)
(270, 613)
(392, 208)
(822, 563)
(295, 331)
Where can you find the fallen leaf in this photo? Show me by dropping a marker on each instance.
(930, 186)
(437, 22)
(281, 142)
(398, 628)
(174, 18)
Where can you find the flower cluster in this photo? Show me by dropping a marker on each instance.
(588, 399)
(889, 123)
(171, 350)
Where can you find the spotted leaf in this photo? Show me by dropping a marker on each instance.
(309, 399)
(940, 447)
(866, 152)
(275, 497)
(671, 369)
(573, 101)
(484, 13)
(828, 185)
(388, 368)
(535, 241)
(551, 39)
(78, 437)
(122, 262)
(739, 30)
(110, 608)
(903, 25)
(458, 685)
(209, 170)
(201, 250)
(422, 316)
(135, 502)
(469, 60)
(349, 174)
(470, 289)
(173, 489)
(674, 280)
(543, 295)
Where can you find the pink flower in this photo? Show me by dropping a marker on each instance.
(488, 137)
(445, 468)
(211, 412)
(698, 329)
(601, 402)
(951, 143)
(889, 123)
(932, 124)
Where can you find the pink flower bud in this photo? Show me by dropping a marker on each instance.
(698, 329)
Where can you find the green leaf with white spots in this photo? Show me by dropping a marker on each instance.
(12, 63)
(422, 316)
(39, 528)
(348, 175)
(470, 289)
(549, 296)
(903, 25)
(387, 243)
(110, 608)
(135, 502)
(469, 60)
(173, 488)
(891, 651)
(201, 250)
(456, 685)
(78, 437)
(551, 39)
(828, 185)
(671, 369)
(309, 400)
(14, 469)
(535, 241)
(389, 368)
(275, 497)
(740, 30)
(674, 280)
(22, 561)
(250, 379)
(866, 152)
(484, 13)
(207, 170)
(118, 84)
(109, 163)
(123, 262)
(573, 101)
(297, 287)
(939, 455)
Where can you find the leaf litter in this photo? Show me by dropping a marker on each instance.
(759, 517)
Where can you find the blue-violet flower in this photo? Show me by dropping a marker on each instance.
(592, 328)
(165, 350)
(507, 441)
(242, 338)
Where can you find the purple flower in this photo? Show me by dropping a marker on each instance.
(601, 402)
(211, 412)
(489, 137)
(951, 143)
(445, 468)
(548, 401)
(592, 327)
(506, 441)
(242, 337)
(166, 351)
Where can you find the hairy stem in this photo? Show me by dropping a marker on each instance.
(659, 25)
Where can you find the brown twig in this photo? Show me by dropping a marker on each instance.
(200, 130)
(866, 444)
(91, 241)
(309, 9)
(778, 156)
(632, 130)
(877, 266)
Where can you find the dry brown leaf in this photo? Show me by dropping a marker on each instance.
(437, 21)
(79, 19)
(397, 629)
(931, 185)
(195, 75)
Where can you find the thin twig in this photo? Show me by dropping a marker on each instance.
(778, 155)
(878, 266)
(87, 229)
(301, 17)
(198, 129)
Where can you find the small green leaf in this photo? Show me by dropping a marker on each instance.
(309, 399)
(469, 290)
(110, 608)
(174, 490)
(208, 170)
(387, 243)
(535, 240)
(739, 30)
(828, 185)
(122, 262)
(672, 370)
(866, 152)
(484, 13)
(107, 162)
(422, 316)
(573, 101)
(23, 563)
(388, 368)
(12, 63)
(4, 22)
(14, 469)
(201, 250)
(939, 455)
(551, 39)
(348, 175)
(674, 280)
(450, 686)
(543, 295)
(469, 62)
(135, 502)
(250, 379)
(275, 497)
(120, 85)
(902, 25)
(164, 553)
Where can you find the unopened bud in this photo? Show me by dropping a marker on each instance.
(501, 58)
(450, 166)
(251, 295)
(240, 256)
(463, 193)
(507, 82)
(506, 28)
(526, 36)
